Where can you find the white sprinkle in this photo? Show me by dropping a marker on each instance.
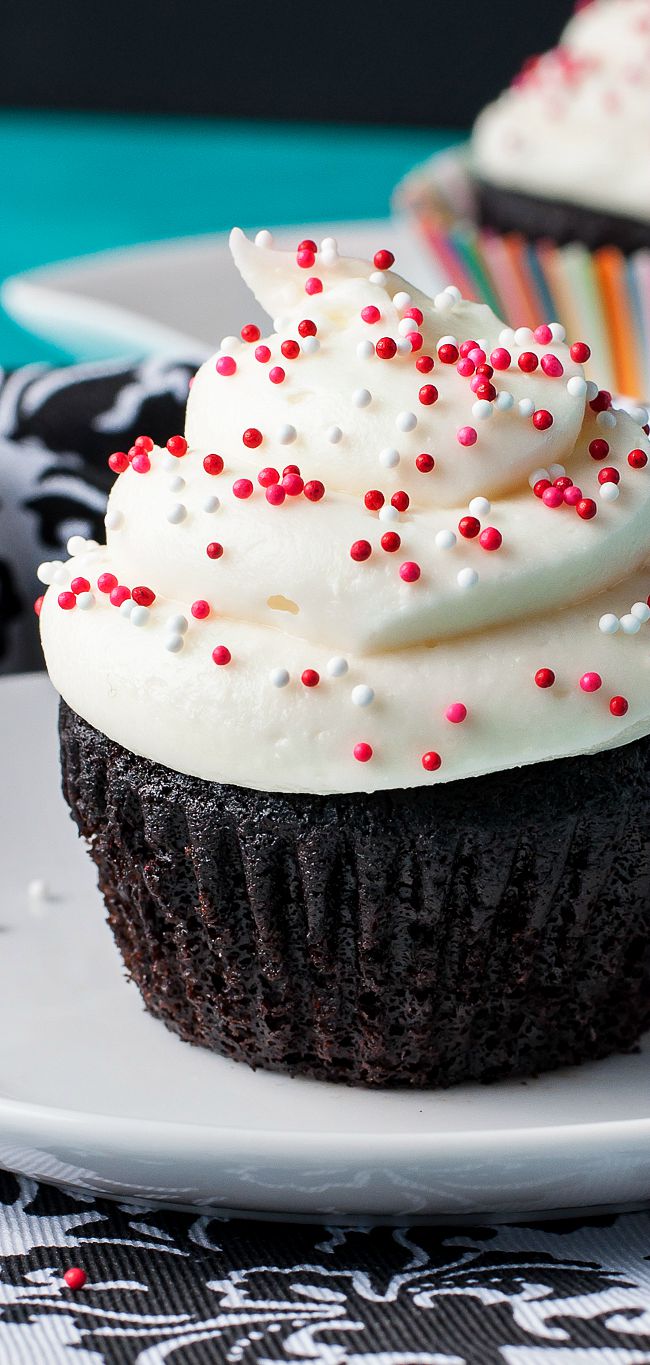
(140, 615)
(606, 419)
(389, 458)
(444, 302)
(334, 435)
(230, 344)
(609, 492)
(445, 540)
(608, 624)
(176, 513)
(264, 238)
(113, 519)
(45, 571)
(211, 503)
(279, 324)
(169, 462)
(447, 341)
(85, 600)
(556, 471)
(639, 415)
(365, 349)
(361, 398)
(504, 401)
(480, 507)
(523, 336)
(76, 545)
(92, 544)
(378, 277)
(176, 483)
(402, 300)
(388, 512)
(405, 326)
(337, 667)
(536, 475)
(630, 625)
(328, 257)
(577, 386)
(279, 677)
(329, 244)
(482, 410)
(404, 346)
(483, 342)
(177, 625)
(506, 336)
(526, 407)
(456, 295)
(38, 889)
(362, 695)
(126, 607)
(174, 643)
(60, 575)
(558, 332)
(287, 434)
(640, 609)
(467, 578)
(310, 345)
(406, 421)
(592, 390)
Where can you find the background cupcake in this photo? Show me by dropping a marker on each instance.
(355, 697)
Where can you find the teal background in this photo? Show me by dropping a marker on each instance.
(76, 183)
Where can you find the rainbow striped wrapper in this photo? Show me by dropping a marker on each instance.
(602, 297)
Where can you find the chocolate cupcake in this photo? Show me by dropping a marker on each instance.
(359, 742)
(565, 153)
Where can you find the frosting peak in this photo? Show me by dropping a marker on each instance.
(383, 522)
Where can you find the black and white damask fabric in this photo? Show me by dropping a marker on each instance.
(189, 1290)
(166, 1287)
(57, 427)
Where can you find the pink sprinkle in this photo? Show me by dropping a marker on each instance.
(552, 366)
(313, 285)
(477, 354)
(543, 335)
(409, 572)
(467, 436)
(242, 488)
(276, 374)
(200, 609)
(456, 713)
(553, 497)
(573, 495)
(221, 655)
(275, 494)
(465, 367)
(263, 354)
(591, 682)
(362, 753)
(500, 359)
(293, 484)
(141, 462)
(370, 314)
(226, 365)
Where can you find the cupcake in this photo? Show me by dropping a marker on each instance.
(565, 153)
(355, 706)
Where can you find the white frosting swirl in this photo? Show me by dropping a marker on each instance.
(400, 637)
(576, 125)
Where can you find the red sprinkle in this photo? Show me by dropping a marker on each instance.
(214, 550)
(177, 445)
(363, 752)
(307, 328)
(490, 539)
(221, 655)
(38, 604)
(310, 678)
(528, 362)
(598, 449)
(386, 348)
(383, 260)
(541, 487)
(637, 459)
(544, 677)
(290, 469)
(619, 706)
(275, 494)
(370, 314)
(314, 490)
(75, 1277)
(80, 585)
(277, 374)
(119, 595)
(602, 401)
(390, 542)
(250, 332)
(416, 314)
(448, 353)
(424, 364)
(144, 443)
(580, 352)
(425, 463)
(400, 500)
(428, 395)
(290, 350)
(469, 527)
(608, 475)
(542, 419)
(226, 365)
(307, 245)
(360, 550)
(252, 438)
(213, 464)
(293, 484)
(306, 258)
(263, 354)
(409, 572)
(106, 582)
(144, 597)
(591, 682)
(118, 461)
(67, 600)
(416, 339)
(431, 761)
(374, 499)
(586, 509)
(268, 476)
(242, 488)
(200, 609)
(314, 285)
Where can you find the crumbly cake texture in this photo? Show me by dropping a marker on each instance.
(494, 927)
(538, 218)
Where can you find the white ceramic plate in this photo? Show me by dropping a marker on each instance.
(94, 1093)
(176, 297)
